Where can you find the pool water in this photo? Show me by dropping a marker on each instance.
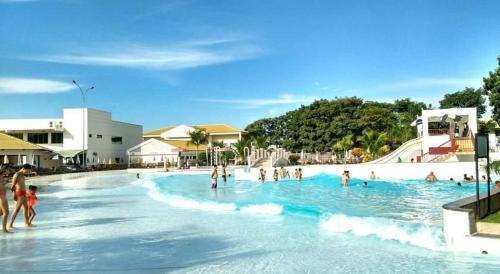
(176, 223)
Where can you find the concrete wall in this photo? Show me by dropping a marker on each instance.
(459, 225)
(392, 171)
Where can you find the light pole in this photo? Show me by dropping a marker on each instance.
(84, 94)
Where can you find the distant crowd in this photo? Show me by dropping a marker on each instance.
(284, 174)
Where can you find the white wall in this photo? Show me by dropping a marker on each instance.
(28, 124)
(25, 126)
(100, 123)
(152, 151)
(74, 127)
(225, 138)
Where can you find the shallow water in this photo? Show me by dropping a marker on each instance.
(164, 224)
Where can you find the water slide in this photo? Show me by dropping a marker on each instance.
(406, 151)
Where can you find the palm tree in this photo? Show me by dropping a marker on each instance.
(372, 141)
(198, 137)
(260, 141)
(494, 166)
(344, 144)
(239, 148)
(217, 144)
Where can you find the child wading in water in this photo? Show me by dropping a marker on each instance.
(32, 199)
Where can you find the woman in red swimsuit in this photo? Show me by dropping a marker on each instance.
(31, 195)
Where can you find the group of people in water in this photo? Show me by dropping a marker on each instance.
(24, 198)
(214, 174)
(431, 178)
(282, 173)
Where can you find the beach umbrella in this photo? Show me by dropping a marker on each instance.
(77, 160)
(5, 159)
(19, 161)
(98, 160)
(110, 162)
(33, 159)
(104, 160)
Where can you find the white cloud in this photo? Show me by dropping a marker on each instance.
(32, 86)
(174, 57)
(285, 99)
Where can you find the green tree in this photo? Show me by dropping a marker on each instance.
(198, 137)
(344, 144)
(491, 85)
(467, 98)
(260, 141)
(318, 126)
(239, 149)
(372, 141)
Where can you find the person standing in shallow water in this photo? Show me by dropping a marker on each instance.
(275, 175)
(19, 188)
(32, 199)
(213, 176)
(431, 178)
(372, 175)
(345, 178)
(4, 204)
(224, 173)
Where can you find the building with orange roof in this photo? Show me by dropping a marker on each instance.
(16, 152)
(172, 144)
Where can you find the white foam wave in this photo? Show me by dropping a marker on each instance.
(182, 202)
(264, 209)
(188, 203)
(385, 229)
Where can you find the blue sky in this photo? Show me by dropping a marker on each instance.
(160, 63)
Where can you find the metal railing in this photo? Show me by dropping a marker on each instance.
(439, 131)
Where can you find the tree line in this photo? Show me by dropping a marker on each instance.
(374, 127)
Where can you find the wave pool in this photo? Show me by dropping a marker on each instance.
(176, 223)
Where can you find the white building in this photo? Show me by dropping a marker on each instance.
(443, 135)
(216, 133)
(79, 130)
(449, 130)
(171, 146)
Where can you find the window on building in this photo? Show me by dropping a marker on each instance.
(17, 135)
(116, 140)
(38, 138)
(99, 136)
(57, 138)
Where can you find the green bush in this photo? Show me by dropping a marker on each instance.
(294, 159)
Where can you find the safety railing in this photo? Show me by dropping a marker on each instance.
(439, 131)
